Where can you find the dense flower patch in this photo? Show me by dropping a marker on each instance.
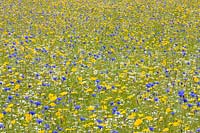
(115, 66)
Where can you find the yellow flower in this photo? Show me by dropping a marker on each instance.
(184, 106)
(8, 109)
(74, 69)
(68, 63)
(129, 97)
(74, 92)
(168, 110)
(146, 130)
(41, 131)
(187, 128)
(90, 108)
(195, 79)
(70, 129)
(13, 121)
(52, 104)
(164, 62)
(160, 119)
(112, 50)
(1, 116)
(93, 116)
(25, 125)
(164, 99)
(89, 90)
(132, 115)
(149, 118)
(58, 113)
(38, 116)
(16, 87)
(28, 117)
(93, 60)
(165, 129)
(52, 97)
(39, 83)
(63, 93)
(123, 111)
(104, 107)
(140, 115)
(10, 105)
(175, 124)
(93, 78)
(91, 123)
(80, 78)
(138, 122)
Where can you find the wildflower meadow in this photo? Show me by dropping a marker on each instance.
(99, 66)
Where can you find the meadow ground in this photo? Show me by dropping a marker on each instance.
(115, 66)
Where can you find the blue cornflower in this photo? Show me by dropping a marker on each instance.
(46, 126)
(39, 121)
(151, 128)
(94, 95)
(118, 102)
(99, 121)
(183, 52)
(55, 78)
(37, 74)
(26, 97)
(114, 110)
(99, 87)
(59, 98)
(149, 85)
(198, 130)
(113, 59)
(4, 112)
(6, 89)
(118, 113)
(32, 112)
(181, 93)
(185, 100)
(189, 105)
(10, 97)
(9, 67)
(172, 112)
(114, 131)
(156, 99)
(77, 107)
(64, 78)
(97, 81)
(167, 90)
(1, 125)
(192, 94)
(198, 104)
(46, 107)
(113, 87)
(100, 127)
(60, 128)
(55, 131)
(12, 83)
(37, 103)
(82, 119)
(26, 37)
(111, 103)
